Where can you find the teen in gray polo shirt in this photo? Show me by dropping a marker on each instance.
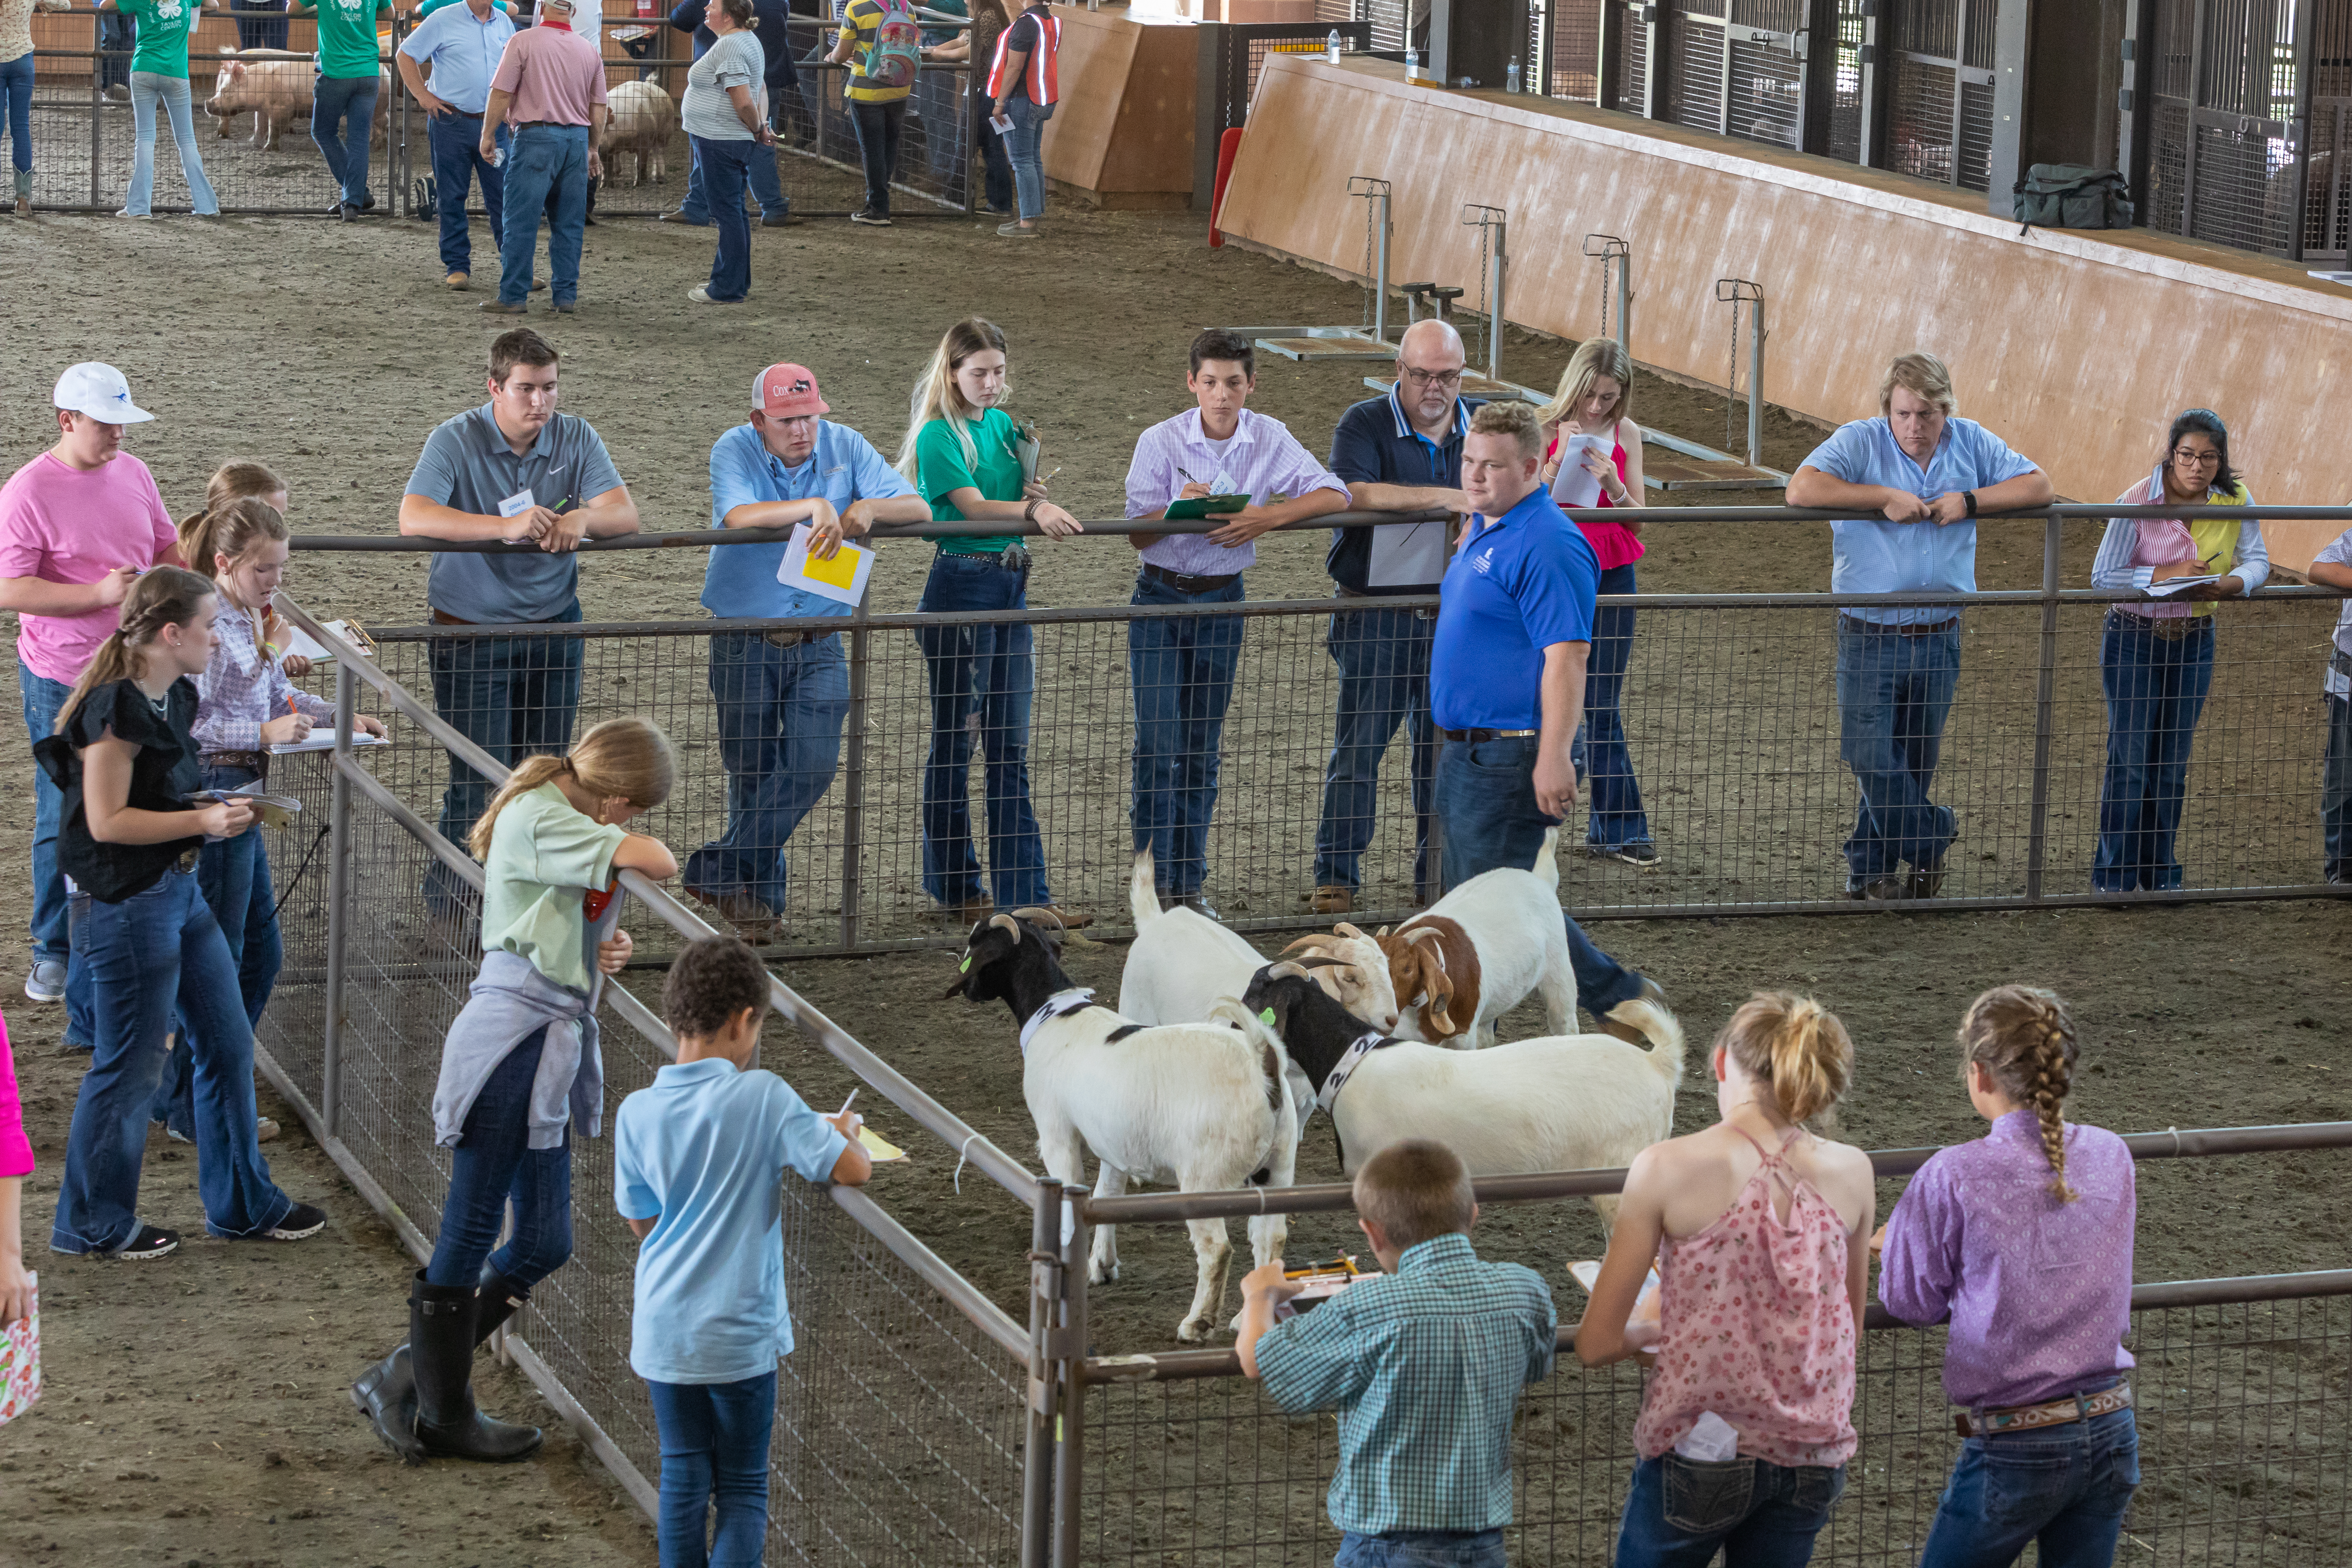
(512, 469)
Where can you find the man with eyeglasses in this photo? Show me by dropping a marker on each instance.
(1401, 452)
(1929, 474)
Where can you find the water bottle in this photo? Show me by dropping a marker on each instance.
(1331, 47)
(1413, 64)
(1511, 77)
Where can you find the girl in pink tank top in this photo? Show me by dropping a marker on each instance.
(1759, 1232)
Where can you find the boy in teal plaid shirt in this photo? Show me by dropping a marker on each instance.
(1424, 1365)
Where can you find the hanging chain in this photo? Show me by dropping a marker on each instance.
(1604, 296)
(1372, 222)
(1731, 378)
(1487, 220)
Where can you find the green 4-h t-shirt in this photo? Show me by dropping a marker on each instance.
(164, 27)
(346, 42)
(993, 470)
(545, 858)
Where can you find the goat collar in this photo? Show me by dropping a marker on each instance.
(1059, 1003)
(1350, 1061)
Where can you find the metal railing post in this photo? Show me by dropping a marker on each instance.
(853, 788)
(339, 925)
(2037, 839)
(1756, 380)
(96, 101)
(1070, 1426)
(1044, 1309)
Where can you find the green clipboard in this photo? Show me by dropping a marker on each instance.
(1199, 507)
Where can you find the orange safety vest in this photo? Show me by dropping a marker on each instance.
(1042, 76)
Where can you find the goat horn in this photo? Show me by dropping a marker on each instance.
(1286, 967)
(1034, 914)
(1379, 934)
(1344, 928)
(1005, 920)
(1418, 934)
(1313, 942)
(1320, 960)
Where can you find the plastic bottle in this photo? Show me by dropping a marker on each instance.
(1511, 77)
(1331, 47)
(1413, 64)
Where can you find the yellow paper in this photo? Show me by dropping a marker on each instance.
(839, 570)
(879, 1149)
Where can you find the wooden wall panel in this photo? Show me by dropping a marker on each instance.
(1123, 131)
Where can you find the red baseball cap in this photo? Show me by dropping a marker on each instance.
(787, 392)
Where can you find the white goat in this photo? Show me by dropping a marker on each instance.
(1205, 1105)
(1477, 953)
(1181, 962)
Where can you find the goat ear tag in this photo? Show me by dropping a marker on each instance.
(1266, 1016)
(966, 965)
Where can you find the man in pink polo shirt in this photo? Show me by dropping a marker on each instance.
(77, 523)
(550, 85)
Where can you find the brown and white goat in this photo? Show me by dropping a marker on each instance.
(1479, 951)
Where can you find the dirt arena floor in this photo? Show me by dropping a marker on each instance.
(197, 1409)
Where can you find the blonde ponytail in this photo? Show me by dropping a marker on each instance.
(163, 596)
(230, 529)
(626, 759)
(1796, 1047)
(2024, 1038)
(938, 397)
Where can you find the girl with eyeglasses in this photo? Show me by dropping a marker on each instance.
(2155, 658)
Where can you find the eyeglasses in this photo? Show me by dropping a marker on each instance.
(1433, 377)
(2189, 459)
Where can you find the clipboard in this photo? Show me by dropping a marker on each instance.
(1195, 508)
(842, 578)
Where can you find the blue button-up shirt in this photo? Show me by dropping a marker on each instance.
(463, 51)
(1872, 556)
(1424, 1367)
(1515, 586)
(844, 468)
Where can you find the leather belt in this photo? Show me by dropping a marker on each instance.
(1341, 591)
(548, 125)
(1471, 737)
(2170, 629)
(444, 618)
(790, 639)
(2030, 1417)
(1185, 583)
(1907, 629)
(253, 763)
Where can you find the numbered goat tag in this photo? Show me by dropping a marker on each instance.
(517, 504)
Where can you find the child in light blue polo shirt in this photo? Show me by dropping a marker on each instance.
(699, 1158)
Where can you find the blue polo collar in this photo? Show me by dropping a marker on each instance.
(542, 445)
(1528, 505)
(1404, 426)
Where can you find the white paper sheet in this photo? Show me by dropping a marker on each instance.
(841, 578)
(300, 644)
(2171, 585)
(1577, 486)
(322, 739)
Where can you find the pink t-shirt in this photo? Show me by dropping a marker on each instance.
(554, 73)
(63, 524)
(15, 1153)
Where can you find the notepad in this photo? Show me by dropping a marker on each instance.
(322, 739)
(2171, 585)
(841, 578)
(881, 1150)
(300, 644)
(1194, 508)
(1578, 485)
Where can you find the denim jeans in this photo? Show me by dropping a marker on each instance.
(2156, 691)
(52, 926)
(2064, 1488)
(1383, 659)
(1681, 1513)
(1182, 670)
(725, 165)
(878, 126)
(779, 713)
(234, 876)
(1604, 767)
(154, 953)
(1486, 808)
(939, 103)
(2335, 790)
(269, 35)
(147, 90)
(1024, 148)
(1893, 693)
(547, 171)
(348, 102)
(714, 1446)
(493, 1163)
(982, 680)
(996, 166)
(511, 696)
(455, 141)
(118, 36)
(767, 188)
(1421, 1548)
(17, 109)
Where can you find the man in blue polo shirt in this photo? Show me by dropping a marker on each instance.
(1507, 680)
(513, 469)
(1927, 474)
(462, 45)
(781, 694)
(1397, 453)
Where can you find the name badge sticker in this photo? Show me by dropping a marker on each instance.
(517, 504)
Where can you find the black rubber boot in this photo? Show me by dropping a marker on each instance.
(386, 1391)
(441, 1339)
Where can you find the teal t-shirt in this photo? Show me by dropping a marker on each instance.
(346, 42)
(994, 470)
(164, 27)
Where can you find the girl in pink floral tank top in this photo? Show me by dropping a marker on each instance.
(1758, 1229)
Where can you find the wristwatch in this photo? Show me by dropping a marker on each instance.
(1970, 498)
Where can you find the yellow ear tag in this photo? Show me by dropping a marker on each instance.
(966, 964)
(1266, 1016)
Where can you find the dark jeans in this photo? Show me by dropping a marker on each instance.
(1681, 1513)
(996, 164)
(2063, 1487)
(1486, 808)
(350, 100)
(52, 925)
(981, 679)
(939, 103)
(2155, 690)
(259, 35)
(511, 696)
(1894, 694)
(779, 713)
(1182, 668)
(1025, 148)
(725, 167)
(1383, 659)
(878, 126)
(547, 173)
(455, 141)
(118, 36)
(714, 1447)
(494, 1163)
(16, 97)
(1604, 767)
(234, 876)
(2335, 790)
(154, 953)
(759, 173)
(1421, 1548)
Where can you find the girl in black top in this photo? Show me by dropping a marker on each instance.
(124, 760)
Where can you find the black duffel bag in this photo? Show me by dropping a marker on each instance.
(2072, 196)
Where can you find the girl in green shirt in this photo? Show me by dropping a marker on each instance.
(159, 74)
(960, 452)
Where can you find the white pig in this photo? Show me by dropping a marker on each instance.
(275, 88)
(642, 120)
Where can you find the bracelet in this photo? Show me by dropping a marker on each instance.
(1029, 512)
(1969, 498)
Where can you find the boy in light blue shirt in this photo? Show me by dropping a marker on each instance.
(699, 1160)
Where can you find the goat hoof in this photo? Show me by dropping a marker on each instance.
(1096, 1273)
(1191, 1333)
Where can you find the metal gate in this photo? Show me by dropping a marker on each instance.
(2326, 224)
(1939, 61)
(1738, 68)
(2226, 157)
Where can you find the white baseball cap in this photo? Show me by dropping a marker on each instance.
(99, 391)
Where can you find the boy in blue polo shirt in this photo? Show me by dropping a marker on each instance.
(698, 1167)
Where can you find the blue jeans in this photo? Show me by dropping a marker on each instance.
(1421, 1548)
(982, 676)
(1383, 659)
(511, 696)
(760, 166)
(493, 1163)
(878, 126)
(724, 166)
(714, 1446)
(2066, 1487)
(153, 954)
(260, 34)
(455, 141)
(117, 36)
(52, 926)
(779, 713)
(1604, 767)
(1486, 807)
(2155, 690)
(234, 876)
(1893, 693)
(2335, 790)
(1024, 148)
(147, 90)
(1681, 1513)
(1182, 668)
(17, 107)
(547, 171)
(939, 101)
(348, 102)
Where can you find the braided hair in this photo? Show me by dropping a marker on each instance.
(2024, 1038)
(162, 596)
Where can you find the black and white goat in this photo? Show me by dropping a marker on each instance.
(1206, 1105)
(1561, 1103)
